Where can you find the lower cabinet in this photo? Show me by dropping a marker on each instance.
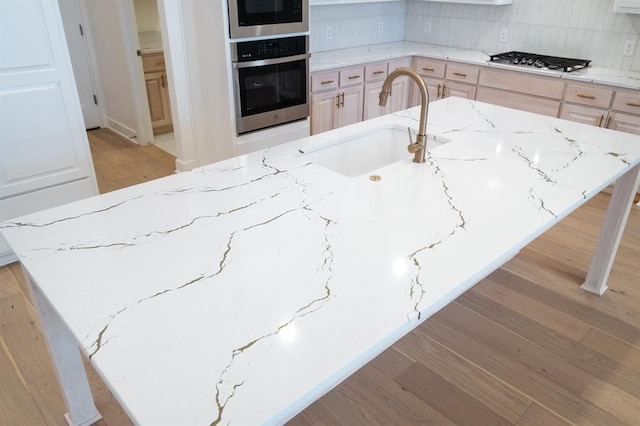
(624, 123)
(584, 115)
(337, 108)
(155, 78)
(158, 97)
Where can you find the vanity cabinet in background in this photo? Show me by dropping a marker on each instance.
(155, 77)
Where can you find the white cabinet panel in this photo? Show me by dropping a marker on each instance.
(626, 6)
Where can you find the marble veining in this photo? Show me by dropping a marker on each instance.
(241, 291)
(322, 61)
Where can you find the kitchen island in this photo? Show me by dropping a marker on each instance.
(244, 290)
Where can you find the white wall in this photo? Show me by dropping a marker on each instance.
(146, 15)
(356, 24)
(115, 80)
(586, 29)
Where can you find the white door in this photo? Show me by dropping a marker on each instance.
(76, 31)
(42, 137)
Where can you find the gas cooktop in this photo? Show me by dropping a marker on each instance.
(531, 60)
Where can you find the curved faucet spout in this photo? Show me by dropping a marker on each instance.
(419, 148)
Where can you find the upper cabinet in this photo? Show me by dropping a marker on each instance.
(487, 2)
(626, 6)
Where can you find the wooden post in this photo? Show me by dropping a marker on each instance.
(611, 232)
(67, 361)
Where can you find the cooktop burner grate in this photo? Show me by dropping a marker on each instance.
(532, 60)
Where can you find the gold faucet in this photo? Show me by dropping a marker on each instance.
(419, 147)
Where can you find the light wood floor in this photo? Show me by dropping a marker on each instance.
(525, 346)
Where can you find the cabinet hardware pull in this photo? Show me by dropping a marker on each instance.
(338, 100)
(580, 95)
(443, 89)
(633, 104)
(600, 121)
(162, 83)
(378, 72)
(459, 74)
(160, 63)
(342, 101)
(606, 126)
(428, 69)
(438, 95)
(326, 82)
(351, 77)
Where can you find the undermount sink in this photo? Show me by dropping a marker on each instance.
(356, 154)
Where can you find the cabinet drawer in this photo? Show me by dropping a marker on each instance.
(627, 102)
(522, 82)
(351, 76)
(586, 95)
(430, 67)
(518, 101)
(153, 62)
(399, 63)
(462, 73)
(375, 72)
(324, 81)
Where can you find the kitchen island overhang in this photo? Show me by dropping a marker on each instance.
(246, 289)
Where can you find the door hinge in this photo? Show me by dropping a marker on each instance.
(95, 99)
(81, 30)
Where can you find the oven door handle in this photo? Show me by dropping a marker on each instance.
(274, 61)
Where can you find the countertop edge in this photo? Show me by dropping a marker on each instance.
(362, 55)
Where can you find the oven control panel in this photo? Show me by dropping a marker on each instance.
(256, 50)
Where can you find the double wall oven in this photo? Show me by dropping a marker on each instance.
(270, 62)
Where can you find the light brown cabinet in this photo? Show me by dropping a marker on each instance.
(337, 99)
(155, 77)
(521, 90)
(400, 88)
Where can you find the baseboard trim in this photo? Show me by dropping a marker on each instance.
(122, 130)
(185, 166)
(7, 257)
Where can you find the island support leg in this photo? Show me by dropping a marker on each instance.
(611, 232)
(67, 361)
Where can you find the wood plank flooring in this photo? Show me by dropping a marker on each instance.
(526, 346)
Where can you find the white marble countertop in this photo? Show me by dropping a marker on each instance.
(150, 42)
(242, 291)
(322, 61)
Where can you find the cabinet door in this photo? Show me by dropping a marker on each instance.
(584, 115)
(351, 104)
(158, 97)
(459, 90)
(372, 109)
(434, 87)
(624, 123)
(323, 109)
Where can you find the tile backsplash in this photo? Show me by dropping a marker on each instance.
(586, 29)
(352, 25)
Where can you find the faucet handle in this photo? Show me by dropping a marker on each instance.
(414, 147)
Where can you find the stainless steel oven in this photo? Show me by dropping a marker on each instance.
(254, 18)
(271, 82)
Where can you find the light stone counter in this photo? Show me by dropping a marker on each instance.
(240, 292)
(322, 61)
